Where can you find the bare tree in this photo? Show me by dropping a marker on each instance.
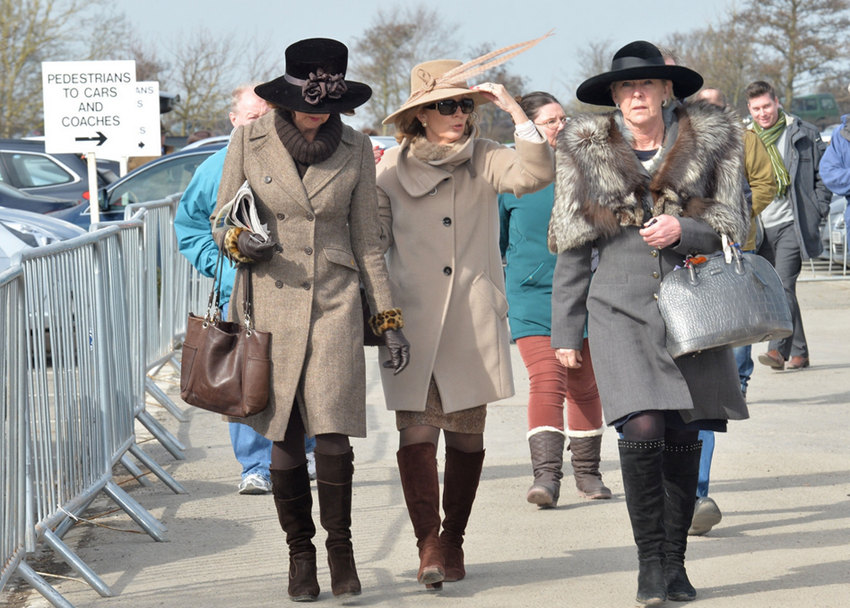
(383, 56)
(36, 31)
(592, 60)
(797, 42)
(201, 69)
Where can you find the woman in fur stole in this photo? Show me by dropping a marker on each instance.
(646, 185)
(437, 194)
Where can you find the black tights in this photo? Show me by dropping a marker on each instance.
(289, 453)
(651, 425)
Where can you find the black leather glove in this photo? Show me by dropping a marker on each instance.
(399, 349)
(250, 245)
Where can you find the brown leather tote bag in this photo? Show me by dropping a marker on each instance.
(226, 367)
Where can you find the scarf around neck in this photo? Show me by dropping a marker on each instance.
(770, 137)
(306, 153)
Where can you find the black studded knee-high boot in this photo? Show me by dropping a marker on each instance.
(641, 465)
(681, 473)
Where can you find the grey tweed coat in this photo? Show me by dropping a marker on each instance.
(308, 295)
(602, 195)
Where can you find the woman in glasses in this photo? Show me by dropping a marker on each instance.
(528, 279)
(437, 194)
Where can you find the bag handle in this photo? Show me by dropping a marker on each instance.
(213, 314)
(247, 300)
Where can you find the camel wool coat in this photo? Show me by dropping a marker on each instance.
(308, 295)
(440, 225)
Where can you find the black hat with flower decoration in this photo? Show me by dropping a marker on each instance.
(314, 81)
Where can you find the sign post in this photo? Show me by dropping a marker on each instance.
(89, 109)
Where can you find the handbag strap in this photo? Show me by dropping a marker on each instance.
(247, 300)
(213, 304)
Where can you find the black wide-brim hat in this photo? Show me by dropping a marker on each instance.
(639, 59)
(314, 81)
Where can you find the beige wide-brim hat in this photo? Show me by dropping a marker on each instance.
(427, 85)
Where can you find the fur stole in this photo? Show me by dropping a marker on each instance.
(601, 186)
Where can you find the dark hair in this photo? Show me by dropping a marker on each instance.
(759, 88)
(532, 102)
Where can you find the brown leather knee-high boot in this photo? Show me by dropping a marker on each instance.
(460, 483)
(294, 503)
(417, 466)
(333, 479)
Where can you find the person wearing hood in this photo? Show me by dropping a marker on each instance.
(646, 186)
(437, 193)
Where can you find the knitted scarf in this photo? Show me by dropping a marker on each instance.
(770, 137)
(306, 153)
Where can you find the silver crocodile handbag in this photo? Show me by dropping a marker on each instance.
(729, 299)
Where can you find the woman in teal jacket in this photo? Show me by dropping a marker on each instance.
(528, 284)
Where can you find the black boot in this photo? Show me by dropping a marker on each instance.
(641, 464)
(294, 503)
(681, 473)
(333, 479)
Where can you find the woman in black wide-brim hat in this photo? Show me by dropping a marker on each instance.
(313, 179)
(645, 186)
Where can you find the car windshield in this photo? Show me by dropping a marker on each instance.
(33, 170)
(154, 183)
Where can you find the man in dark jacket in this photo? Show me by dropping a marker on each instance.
(791, 222)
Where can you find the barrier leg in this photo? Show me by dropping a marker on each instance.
(162, 434)
(135, 471)
(35, 581)
(157, 470)
(164, 400)
(73, 560)
(149, 523)
(62, 529)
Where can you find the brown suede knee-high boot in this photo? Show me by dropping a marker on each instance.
(294, 503)
(417, 466)
(460, 483)
(333, 479)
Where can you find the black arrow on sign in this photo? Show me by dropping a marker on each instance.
(99, 139)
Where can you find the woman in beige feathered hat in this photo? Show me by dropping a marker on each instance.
(437, 194)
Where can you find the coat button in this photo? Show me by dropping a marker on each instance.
(447, 221)
(306, 285)
(447, 270)
(308, 250)
(655, 295)
(654, 253)
(281, 216)
(654, 275)
(310, 217)
(278, 284)
(267, 179)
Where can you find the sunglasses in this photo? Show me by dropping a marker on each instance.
(447, 107)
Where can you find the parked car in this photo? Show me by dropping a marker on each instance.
(153, 181)
(25, 165)
(13, 198)
(24, 229)
(384, 141)
(833, 232)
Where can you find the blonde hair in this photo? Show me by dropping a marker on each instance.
(236, 94)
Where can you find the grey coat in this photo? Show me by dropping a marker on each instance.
(597, 168)
(308, 294)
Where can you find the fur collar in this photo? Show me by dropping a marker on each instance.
(601, 186)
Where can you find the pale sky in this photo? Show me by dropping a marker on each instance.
(550, 66)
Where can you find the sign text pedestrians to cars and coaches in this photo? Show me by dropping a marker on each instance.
(89, 107)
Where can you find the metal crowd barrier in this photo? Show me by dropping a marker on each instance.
(71, 398)
(164, 313)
